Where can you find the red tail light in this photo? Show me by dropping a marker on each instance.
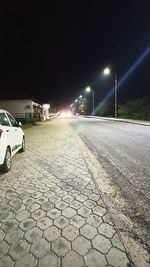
(1, 131)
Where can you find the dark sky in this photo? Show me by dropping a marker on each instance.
(52, 50)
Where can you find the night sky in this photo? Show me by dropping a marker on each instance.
(52, 50)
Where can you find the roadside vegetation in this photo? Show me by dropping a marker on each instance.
(28, 125)
(134, 109)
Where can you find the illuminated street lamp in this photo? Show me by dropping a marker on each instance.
(80, 96)
(107, 71)
(76, 100)
(89, 90)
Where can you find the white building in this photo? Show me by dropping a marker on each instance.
(24, 109)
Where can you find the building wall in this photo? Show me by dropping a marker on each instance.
(23, 110)
(17, 106)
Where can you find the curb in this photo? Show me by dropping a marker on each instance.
(144, 123)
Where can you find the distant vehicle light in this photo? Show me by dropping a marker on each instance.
(66, 114)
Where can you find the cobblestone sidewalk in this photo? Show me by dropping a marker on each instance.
(51, 213)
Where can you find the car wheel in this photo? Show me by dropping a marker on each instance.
(23, 145)
(7, 161)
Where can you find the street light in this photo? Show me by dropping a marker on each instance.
(88, 90)
(107, 71)
(80, 96)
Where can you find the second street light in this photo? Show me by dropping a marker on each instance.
(107, 71)
(89, 90)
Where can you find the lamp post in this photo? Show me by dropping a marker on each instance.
(107, 71)
(88, 89)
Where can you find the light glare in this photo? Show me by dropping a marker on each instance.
(106, 71)
(88, 89)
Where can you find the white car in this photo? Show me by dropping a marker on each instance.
(11, 139)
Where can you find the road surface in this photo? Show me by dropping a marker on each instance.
(123, 149)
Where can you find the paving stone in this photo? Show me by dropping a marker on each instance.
(78, 221)
(55, 188)
(73, 183)
(106, 230)
(11, 196)
(24, 195)
(94, 197)
(19, 249)
(88, 231)
(14, 235)
(49, 260)
(9, 191)
(40, 248)
(43, 189)
(95, 259)
(33, 235)
(54, 213)
(101, 243)
(9, 224)
(61, 246)
(107, 219)
(116, 242)
(18, 207)
(38, 214)
(27, 224)
(15, 201)
(99, 211)
(85, 212)
(67, 188)
(61, 193)
(44, 223)
(86, 192)
(79, 187)
(41, 200)
(47, 206)
(21, 216)
(101, 203)
(52, 233)
(49, 194)
(1, 235)
(37, 195)
(91, 186)
(74, 193)
(33, 207)
(81, 245)
(5, 215)
(27, 261)
(72, 259)
(3, 249)
(55, 199)
(90, 203)
(69, 213)
(68, 198)
(61, 222)
(94, 220)
(6, 262)
(95, 191)
(81, 198)
(117, 258)
(70, 232)
(29, 201)
(75, 204)
(61, 205)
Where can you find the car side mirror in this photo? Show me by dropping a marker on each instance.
(19, 124)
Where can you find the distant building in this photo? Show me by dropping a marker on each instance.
(25, 110)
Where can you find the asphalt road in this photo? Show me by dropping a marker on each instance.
(123, 149)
